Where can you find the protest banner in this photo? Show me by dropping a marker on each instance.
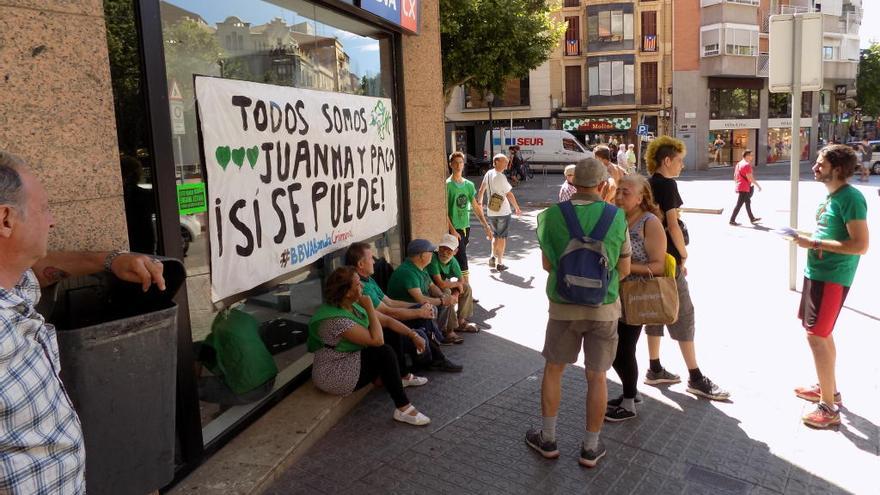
(293, 174)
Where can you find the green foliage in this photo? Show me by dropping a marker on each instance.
(868, 82)
(190, 48)
(125, 75)
(486, 42)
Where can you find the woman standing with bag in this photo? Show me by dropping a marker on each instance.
(648, 241)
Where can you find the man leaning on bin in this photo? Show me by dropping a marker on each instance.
(41, 441)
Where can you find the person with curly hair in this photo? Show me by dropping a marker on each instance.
(345, 334)
(665, 161)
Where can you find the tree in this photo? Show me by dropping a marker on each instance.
(868, 82)
(486, 42)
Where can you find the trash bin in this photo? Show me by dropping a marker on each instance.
(118, 348)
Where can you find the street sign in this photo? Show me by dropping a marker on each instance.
(174, 93)
(782, 46)
(177, 123)
(642, 130)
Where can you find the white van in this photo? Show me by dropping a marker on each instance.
(550, 147)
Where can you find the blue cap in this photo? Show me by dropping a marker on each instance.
(419, 246)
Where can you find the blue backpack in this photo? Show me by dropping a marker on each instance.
(584, 271)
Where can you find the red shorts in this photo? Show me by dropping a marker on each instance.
(821, 303)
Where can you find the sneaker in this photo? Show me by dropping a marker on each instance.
(662, 376)
(814, 394)
(822, 417)
(735, 224)
(707, 389)
(413, 381)
(589, 458)
(618, 414)
(535, 440)
(491, 262)
(501, 267)
(756, 220)
(619, 400)
(445, 365)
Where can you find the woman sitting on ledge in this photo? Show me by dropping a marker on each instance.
(346, 336)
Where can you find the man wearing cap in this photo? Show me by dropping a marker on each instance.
(571, 327)
(447, 275)
(411, 283)
(500, 199)
(567, 189)
(419, 317)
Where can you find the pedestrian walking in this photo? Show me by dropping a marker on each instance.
(500, 205)
(631, 160)
(648, 242)
(744, 178)
(567, 189)
(622, 161)
(664, 158)
(461, 199)
(867, 155)
(571, 327)
(841, 237)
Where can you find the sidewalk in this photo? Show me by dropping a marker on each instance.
(748, 341)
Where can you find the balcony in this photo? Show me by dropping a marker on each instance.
(728, 65)
(840, 70)
(762, 65)
(649, 43)
(572, 47)
(735, 13)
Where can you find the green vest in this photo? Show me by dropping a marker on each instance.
(241, 356)
(326, 312)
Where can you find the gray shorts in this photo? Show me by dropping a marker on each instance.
(499, 225)
(683, 329)
(564, 339)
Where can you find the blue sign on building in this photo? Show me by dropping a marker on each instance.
(404, 13)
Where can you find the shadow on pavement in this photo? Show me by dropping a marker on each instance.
(475, 442)
(513, 279)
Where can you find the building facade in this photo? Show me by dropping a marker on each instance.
(116, 84)
(613, 69)
(722, 105)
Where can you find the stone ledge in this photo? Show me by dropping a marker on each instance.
(251, 461)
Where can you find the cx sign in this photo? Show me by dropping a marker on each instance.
(404, 13)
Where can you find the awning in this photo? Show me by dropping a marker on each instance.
(607, 124)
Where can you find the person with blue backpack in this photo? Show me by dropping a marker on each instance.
(586, 249)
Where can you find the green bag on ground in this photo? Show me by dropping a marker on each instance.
(241, 356)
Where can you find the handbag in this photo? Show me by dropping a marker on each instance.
(651, 301)
(495, 200)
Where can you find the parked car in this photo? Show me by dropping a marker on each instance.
(875, 154)
(190, 230)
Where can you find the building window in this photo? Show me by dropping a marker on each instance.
(572, 3)
(648, 87)
(828, 52)
(611, 80)
(738, 103)
(573, 36)
(516, 94)
(649, 31)
(779, 105)
(739, 40)
(610, 27)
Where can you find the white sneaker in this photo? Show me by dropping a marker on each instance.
(404, 416)
(413, 381)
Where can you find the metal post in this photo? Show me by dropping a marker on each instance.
(491, 133)
(797, 34)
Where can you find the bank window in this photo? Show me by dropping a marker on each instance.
(734, 103)
(297, 44)
(740, 42)
(610, 27)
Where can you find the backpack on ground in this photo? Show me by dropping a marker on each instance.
(583, 273)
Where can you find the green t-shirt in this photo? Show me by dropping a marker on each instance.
(840, 207)
(372, 289)
(553, 238)
(241, 357)
(459, 197)
(407, 276)
(447, 271)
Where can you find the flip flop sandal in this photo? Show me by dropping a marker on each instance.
(468, 328)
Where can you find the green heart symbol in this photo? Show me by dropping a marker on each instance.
(252, 155)
(238, 156)
(222, 156)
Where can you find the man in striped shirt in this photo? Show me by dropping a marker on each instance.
(41, 441)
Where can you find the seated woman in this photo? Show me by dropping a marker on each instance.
(346, 336)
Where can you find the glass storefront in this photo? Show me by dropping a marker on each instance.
(779, 144)
(289, 43)
(725, 147)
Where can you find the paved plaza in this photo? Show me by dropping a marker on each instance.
(748, 341)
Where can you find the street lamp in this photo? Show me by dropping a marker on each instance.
(490, 98)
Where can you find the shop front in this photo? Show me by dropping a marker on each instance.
(276, 137)
(593, 131)
(779, 140)
(727, 139)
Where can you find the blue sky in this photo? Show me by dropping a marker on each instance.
(363, 51)
(870, 29)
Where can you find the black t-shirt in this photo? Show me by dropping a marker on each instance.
(666, 195)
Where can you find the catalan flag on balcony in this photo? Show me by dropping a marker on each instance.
(572, 47)
(650, 43)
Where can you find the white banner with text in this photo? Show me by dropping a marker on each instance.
(293, 174)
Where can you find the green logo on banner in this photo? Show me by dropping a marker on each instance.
(191, 198)
(380, 117)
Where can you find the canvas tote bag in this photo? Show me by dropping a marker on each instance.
(651, 301)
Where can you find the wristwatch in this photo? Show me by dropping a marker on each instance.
(108, 261)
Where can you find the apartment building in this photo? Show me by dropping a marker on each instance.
(721, 104)
(613, 69)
